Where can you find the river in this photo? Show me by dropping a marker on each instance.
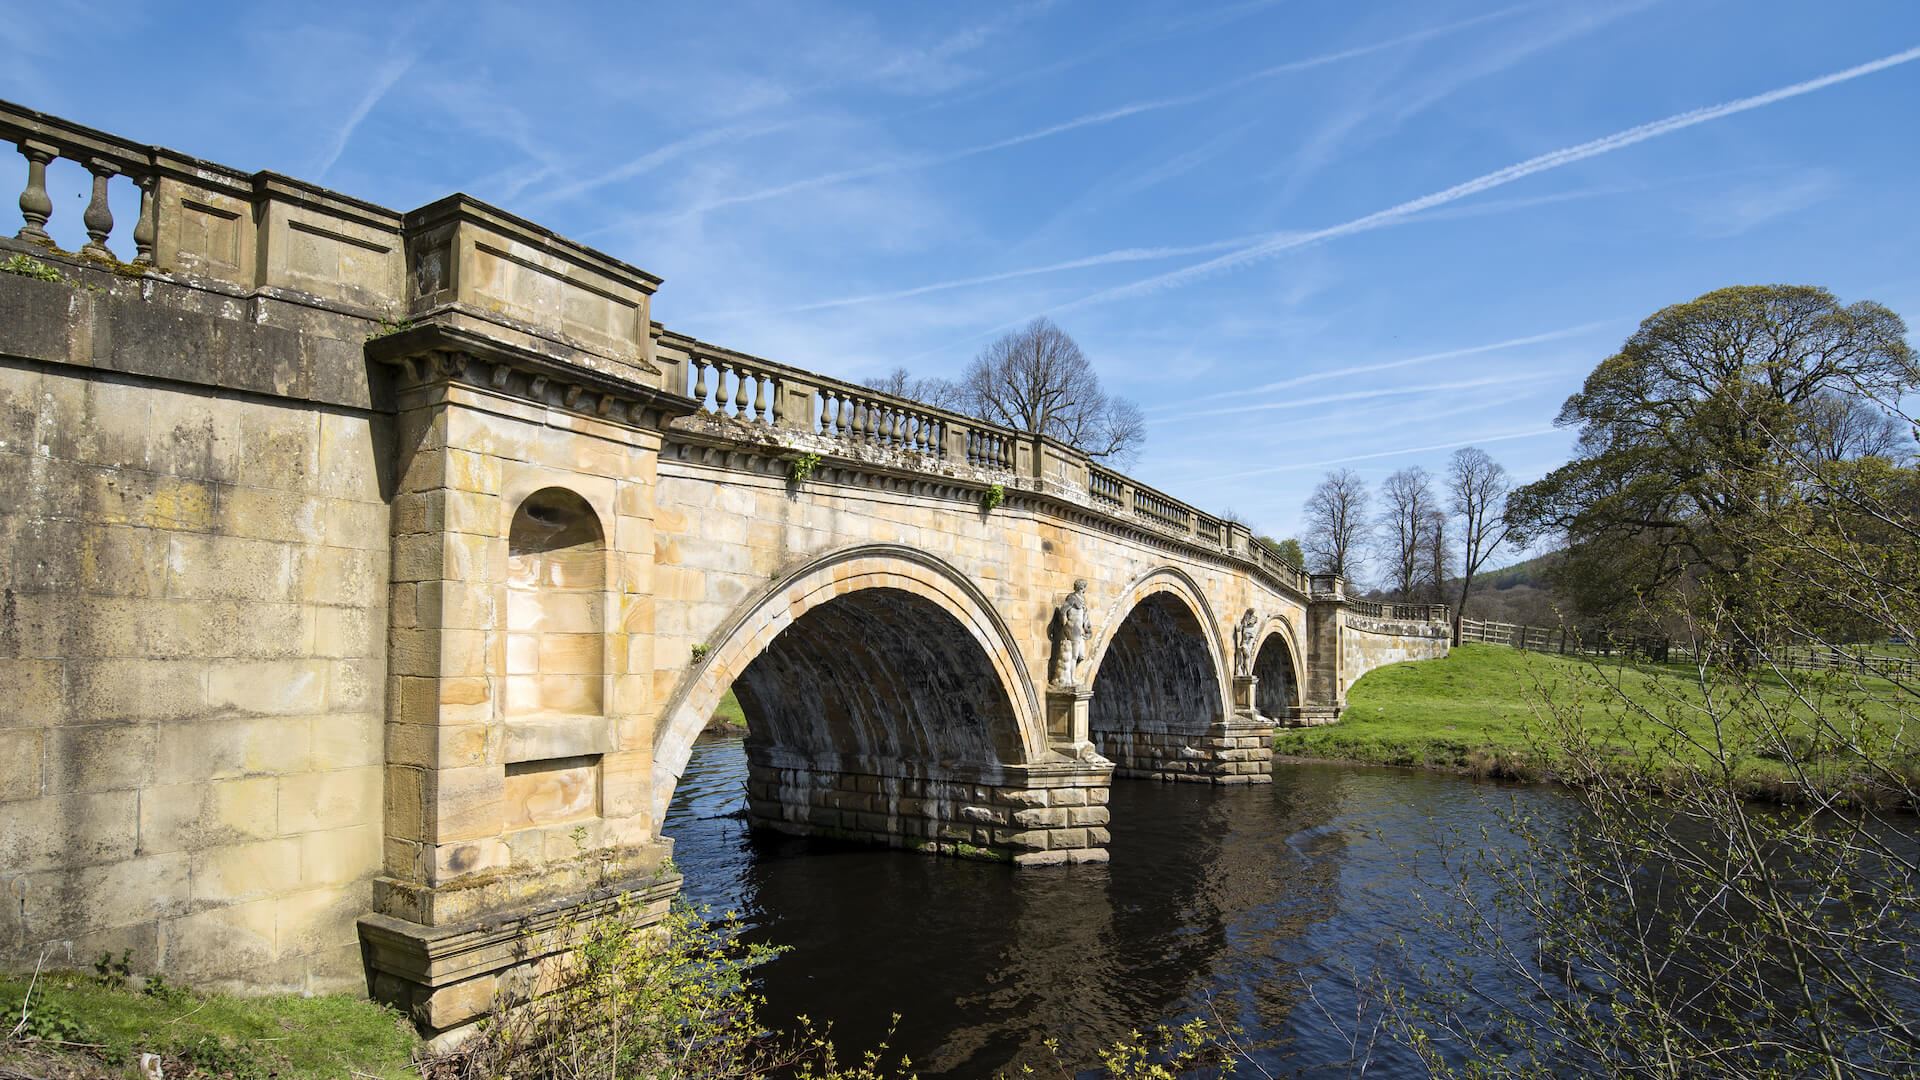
(1269, 904)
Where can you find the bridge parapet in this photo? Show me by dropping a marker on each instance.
(463, 267)
(749, 399)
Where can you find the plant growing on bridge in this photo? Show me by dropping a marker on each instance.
(390, 327)
(800, 468)
(991, 498)
(29, 267)
(700, 650)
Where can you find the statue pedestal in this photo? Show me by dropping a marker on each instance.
(1243, 695)
(1067, 721)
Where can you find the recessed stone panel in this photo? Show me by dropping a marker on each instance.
(554, 791)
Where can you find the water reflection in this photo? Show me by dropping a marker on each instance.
(1242, 895)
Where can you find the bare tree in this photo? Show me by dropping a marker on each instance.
(1477, 486)
(1838, 427)
(1436, 544)
(1337, 528)
(928, 389)
(1037, 379)
(1406, 500)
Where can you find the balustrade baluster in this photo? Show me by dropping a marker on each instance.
(35, 206)
(740, 393)
(721, 393)
(147, 228)
(700, 384)
(98, 217)
(844, 427)
(861, 417)
(760, 414)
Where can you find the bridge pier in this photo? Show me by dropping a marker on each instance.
(1236, 750)
(1032, 815)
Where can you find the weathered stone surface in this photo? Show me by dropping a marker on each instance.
(309, 614)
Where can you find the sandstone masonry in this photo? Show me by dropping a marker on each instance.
(368, 577)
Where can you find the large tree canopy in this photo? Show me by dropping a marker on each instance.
(1698, 424)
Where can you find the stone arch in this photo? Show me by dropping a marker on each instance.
(555, 607)
(1280, 669)
(940, 625)
(1158, 676)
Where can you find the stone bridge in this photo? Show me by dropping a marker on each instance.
(370, 575)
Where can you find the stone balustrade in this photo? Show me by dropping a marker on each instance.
(44, 139)
(462, 258)
(1438, 613)
(740, 390)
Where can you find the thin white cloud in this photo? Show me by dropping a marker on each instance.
(657, 157)
(1105, 116)
(1105, 258)
(1555, 159)
(383, 81)
(1358, 51)
(1391, 365)
(1151, 254)
(1750, 206)
(920, 63)
(1354, 395)
(1301, 466)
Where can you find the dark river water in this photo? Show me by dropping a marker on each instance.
(1267, 904)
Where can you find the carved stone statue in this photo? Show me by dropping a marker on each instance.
(1243, 640)
(1072, 626)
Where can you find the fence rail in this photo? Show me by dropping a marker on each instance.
(1574, 641)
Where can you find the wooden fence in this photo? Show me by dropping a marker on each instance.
(1574, 641)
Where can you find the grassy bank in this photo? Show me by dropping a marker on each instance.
(728, 715)
(77, 1027)
(1475, 711)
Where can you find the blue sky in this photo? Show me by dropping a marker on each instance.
(1300, 234)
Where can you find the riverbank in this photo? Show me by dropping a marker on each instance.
(728, 717)
(91, 1027)
(1481, 711)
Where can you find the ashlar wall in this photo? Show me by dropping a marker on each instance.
(192, 633)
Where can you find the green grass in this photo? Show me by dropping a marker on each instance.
(284, 1036)
(1473, 710)
(729, 712)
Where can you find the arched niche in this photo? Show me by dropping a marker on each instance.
(555, 608)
